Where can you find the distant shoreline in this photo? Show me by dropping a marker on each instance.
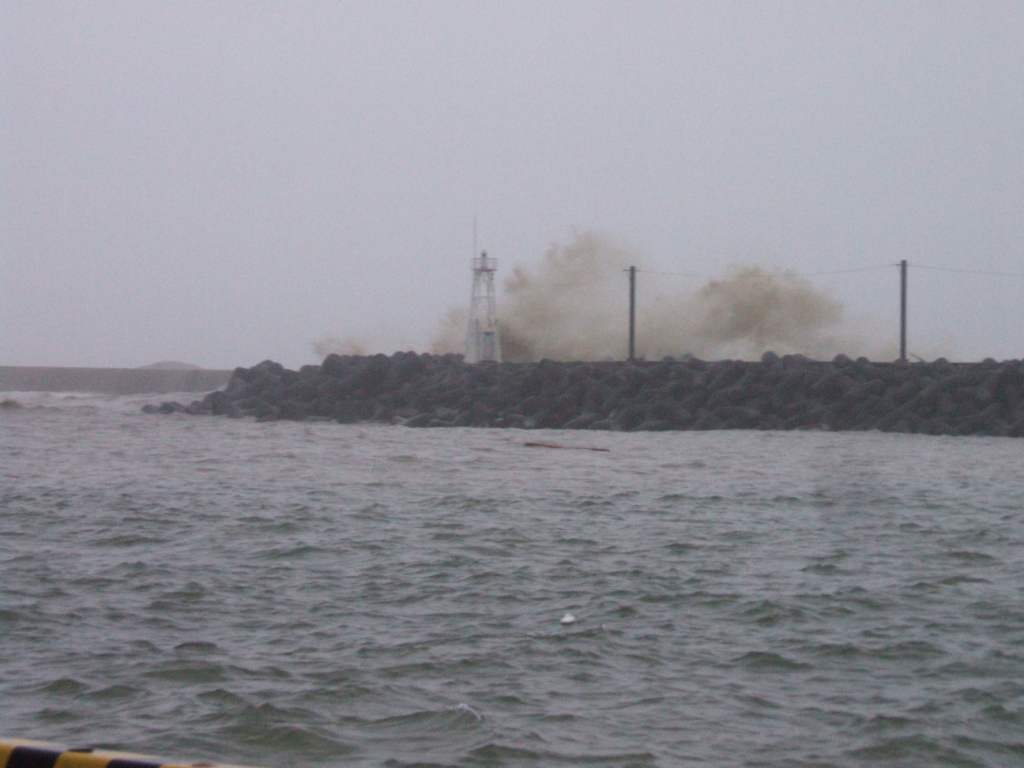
(110, 381)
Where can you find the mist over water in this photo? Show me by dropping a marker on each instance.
(573, 306)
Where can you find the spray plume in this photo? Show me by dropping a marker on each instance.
(573, 307)
(350, 345)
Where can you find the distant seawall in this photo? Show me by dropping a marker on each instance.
(112, 381)
(792, 392)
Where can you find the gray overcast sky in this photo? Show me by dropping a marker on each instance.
(226, 182)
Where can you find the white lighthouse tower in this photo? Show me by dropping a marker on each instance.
(482, 342)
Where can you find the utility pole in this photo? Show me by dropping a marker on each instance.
(632, 314)
(903, 310)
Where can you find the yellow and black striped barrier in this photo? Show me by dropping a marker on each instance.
(37, 754)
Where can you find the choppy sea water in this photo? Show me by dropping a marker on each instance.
(288, 594)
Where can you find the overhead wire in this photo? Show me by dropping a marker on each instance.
(844, 271)
(968, 271)
(793, 274)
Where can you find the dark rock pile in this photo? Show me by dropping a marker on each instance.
(792, 392)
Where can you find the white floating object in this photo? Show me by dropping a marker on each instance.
(568, 619)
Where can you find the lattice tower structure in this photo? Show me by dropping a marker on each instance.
(482, 339)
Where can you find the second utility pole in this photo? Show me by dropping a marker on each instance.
(903, 310)
(632, 314)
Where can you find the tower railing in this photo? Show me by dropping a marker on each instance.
(485, 263)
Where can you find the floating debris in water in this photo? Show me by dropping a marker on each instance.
(567, 447)
(568, 619)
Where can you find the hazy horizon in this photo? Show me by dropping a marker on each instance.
(223, 183)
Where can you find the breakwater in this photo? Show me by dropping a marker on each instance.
(780, 393)
(111, 381)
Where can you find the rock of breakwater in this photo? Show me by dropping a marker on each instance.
(791, 392)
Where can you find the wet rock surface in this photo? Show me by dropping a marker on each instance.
(791, 392)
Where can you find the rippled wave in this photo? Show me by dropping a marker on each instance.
(293, 594)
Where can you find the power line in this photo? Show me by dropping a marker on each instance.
(874, 267)
(969, 271)
(674, 274)
(841, 271)
(785, 273)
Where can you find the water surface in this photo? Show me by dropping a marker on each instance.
(290, 594)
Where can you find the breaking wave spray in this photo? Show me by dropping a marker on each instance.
(573, 307)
